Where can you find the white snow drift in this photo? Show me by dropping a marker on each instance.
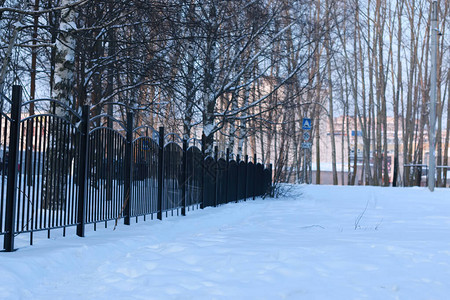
(318, 242)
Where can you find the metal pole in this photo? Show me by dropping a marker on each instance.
(183, 178)
(272, 194)
(245, 177)
(304, 166)
(216, 169)
(432, 138)
(82, 172)
(128, 169)
(238, 160)
(160, 172)
(202, 195)
(310, 166)
(11, 190)
(227, 169)
(254, 175)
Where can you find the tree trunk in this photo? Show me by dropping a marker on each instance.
(447, 132)
(397, 95)
(54, 186)
(317, 136)
(328, 46)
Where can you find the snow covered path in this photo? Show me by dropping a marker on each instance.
(319, 242)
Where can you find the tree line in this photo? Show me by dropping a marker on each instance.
(245, 73)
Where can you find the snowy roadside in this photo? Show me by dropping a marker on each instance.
(319, 242)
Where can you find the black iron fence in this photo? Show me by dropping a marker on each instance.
(63, 169)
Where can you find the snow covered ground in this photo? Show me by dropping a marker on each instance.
(318, 242)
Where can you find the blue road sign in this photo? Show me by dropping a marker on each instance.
(306, 124)
(306, 145)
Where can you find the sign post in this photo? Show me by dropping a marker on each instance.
(306, 144)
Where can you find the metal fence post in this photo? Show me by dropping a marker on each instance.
(202, 197)
(160, 171)
(183, 179)
(227, 169)
(238, 160)
(216, 158)
(271, 191)
(82, 171)
(128, 169)
(246, 177)
(254, 176)
(11, 190)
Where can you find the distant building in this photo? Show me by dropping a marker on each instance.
(344, 137)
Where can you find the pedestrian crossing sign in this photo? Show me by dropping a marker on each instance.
(306, 124)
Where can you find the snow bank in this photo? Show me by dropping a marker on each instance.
(317, 242)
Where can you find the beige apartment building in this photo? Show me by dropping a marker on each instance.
(342, 140)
